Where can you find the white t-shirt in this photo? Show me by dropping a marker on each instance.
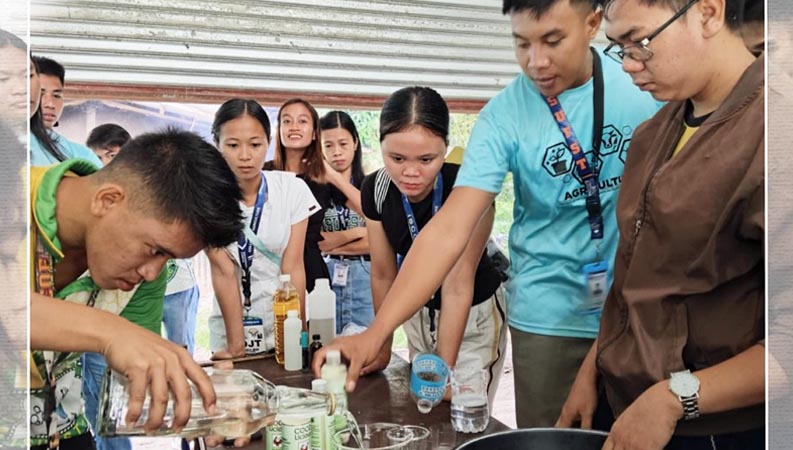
(289, 201)
(180, 276)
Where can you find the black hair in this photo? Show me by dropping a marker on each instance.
(733, 9)
(413, 106)
(237, 107)
(313, 167)
(753, 11)
(107, 136)
(340, 119)
(39, 131)
(175, 175)
(47, 66)
(538, 8)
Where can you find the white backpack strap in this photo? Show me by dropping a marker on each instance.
(381, 183)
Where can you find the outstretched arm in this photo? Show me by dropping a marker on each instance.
(435, 251)
(150, 362)
(457, 292)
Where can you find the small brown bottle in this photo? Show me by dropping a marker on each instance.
(316, 344)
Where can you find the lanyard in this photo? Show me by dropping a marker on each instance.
(588, 174)
(437, 199)
(245, 246)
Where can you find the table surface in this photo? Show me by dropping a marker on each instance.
(380, 397)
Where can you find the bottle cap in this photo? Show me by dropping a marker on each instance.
(333, 357)
(316, 337)
(319, 385)
(285, 278)
(304, 338)
(324, 283)
(291, 313)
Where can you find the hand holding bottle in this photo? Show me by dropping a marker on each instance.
(153, 364)
(365, 352)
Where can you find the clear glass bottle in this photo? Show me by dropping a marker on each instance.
(284, 300)
(246, 403)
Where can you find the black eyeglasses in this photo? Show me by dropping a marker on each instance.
(638, 51)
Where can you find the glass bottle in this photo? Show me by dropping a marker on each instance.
(246, 403)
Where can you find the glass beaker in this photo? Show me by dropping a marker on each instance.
(383, 436)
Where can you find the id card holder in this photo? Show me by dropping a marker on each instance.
(340, 273)
(597, 287)
(253, 328)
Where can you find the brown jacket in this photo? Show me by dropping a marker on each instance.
(688, 287)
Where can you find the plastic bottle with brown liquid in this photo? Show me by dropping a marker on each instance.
(284, 300)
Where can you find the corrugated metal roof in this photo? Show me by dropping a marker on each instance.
(331, 46)
(337, 47)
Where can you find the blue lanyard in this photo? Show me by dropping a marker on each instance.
(245, 246)
(437, 199)
(588, 175)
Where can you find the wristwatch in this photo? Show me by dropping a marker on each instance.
(685, 385)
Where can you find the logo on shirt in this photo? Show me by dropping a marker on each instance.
(558, 161)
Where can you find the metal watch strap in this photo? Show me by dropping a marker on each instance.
(690, 406)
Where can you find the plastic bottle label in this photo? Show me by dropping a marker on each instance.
(297, 437)
(274, 436)
(253, 327)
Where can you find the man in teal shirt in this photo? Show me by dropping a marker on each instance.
(563, 238)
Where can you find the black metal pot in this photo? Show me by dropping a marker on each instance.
(539, 439)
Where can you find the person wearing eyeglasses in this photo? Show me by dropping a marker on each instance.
(681, 343)
(561, 127)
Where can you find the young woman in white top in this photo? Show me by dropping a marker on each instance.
(242, 134)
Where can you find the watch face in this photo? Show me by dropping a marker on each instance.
(684, 384)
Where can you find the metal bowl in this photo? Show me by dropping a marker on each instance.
(539, 439)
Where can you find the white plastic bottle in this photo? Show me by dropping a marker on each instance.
(335, 373)
(293, 358)
(322, 311)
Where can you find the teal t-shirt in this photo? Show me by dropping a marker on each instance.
(70, 149)
(549, 242)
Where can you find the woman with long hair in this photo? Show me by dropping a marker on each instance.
(282, 204)
(298, 150)
(398, 201)
(345, 242)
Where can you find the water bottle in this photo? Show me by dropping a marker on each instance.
(469, 410)
(246, 403)
(428, 376)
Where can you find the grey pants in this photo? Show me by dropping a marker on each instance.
(544, 369)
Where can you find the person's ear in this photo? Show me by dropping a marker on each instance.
(593, 21)
(106, 197)
(711, 16)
